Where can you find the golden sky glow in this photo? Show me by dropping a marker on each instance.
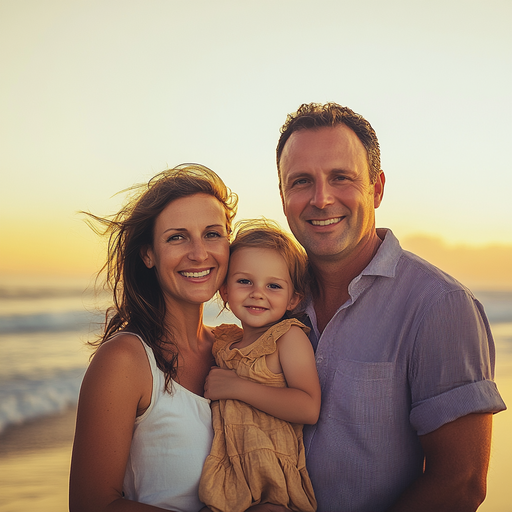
(96, 96)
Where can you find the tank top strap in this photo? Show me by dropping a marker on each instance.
(156, 374)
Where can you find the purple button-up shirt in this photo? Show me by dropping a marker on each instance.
(409, 351)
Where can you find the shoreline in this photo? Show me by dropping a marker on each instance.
(42, 433)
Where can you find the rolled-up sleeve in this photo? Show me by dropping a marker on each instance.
(452, 363)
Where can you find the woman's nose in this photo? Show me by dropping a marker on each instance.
(198, 251)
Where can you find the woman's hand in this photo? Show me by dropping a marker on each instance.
(220, 384)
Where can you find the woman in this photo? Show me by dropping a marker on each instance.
(143, 426)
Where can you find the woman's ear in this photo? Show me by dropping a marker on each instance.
(294, 301)
(146, 253)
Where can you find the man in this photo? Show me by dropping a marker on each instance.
(404, 352)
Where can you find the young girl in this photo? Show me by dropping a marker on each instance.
(257, 454)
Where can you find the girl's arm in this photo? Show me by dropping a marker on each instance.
(297, 403)
(116, 386)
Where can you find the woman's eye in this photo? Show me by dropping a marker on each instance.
(213, 234)
(173, 238)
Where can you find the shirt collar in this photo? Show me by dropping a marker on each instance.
(386, 258)
(383, 264)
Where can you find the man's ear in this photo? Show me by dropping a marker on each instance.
(223, 290)
(294, 301)
(378, 189)
(146, 253)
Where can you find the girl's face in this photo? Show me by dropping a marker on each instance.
(190, 249)
(258, 287)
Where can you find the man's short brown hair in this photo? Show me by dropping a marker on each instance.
(310, 116)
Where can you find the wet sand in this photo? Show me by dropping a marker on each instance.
(34, 464)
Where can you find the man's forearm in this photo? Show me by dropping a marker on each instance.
(456, 463)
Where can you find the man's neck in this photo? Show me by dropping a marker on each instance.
(332, 279)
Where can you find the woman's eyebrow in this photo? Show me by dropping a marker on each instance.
(185, 229)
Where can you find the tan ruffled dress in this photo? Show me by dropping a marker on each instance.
(255, 457)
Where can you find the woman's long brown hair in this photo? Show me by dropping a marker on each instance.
(138, 302)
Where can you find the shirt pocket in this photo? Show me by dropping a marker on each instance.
(360, 393)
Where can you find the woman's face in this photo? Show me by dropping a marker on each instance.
(190, 249)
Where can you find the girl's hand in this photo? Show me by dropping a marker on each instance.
(267, 507)
(220, 384)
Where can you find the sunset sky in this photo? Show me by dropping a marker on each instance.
(98, 95)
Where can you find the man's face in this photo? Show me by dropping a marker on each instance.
(326, 191)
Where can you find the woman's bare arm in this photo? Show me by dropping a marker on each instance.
(117, 386)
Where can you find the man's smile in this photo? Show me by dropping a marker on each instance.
(326, 222)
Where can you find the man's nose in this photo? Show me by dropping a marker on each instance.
(322, 196)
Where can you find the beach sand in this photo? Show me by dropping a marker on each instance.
(34, 464)
(35, 458)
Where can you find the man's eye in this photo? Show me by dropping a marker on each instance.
(300, 181)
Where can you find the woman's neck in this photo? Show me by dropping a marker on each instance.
(194, 342)
(185, 322)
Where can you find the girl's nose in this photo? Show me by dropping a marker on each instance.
(256, 293)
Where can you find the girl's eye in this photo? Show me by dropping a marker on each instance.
(274, 286)
(244, 281)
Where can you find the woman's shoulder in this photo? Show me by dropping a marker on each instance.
(121, 366)
(122, 349)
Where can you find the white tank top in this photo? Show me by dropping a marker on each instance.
(170, 443)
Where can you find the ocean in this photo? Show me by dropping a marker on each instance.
(43, 334)
(43, 352)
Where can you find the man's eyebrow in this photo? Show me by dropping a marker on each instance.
(293, 175)
(297, 174)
